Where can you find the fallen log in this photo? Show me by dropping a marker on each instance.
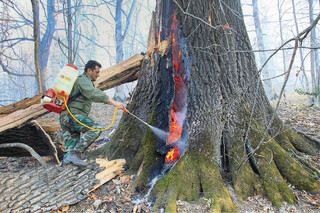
(31, 134)
(124, 72)
(44, 189)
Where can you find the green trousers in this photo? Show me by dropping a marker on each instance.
(76, 136)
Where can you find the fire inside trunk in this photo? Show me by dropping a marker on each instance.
(178, 110)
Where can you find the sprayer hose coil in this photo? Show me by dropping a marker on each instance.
(114, 115)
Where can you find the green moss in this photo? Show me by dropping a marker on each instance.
(182, 182)
(293, 171)
(147, 155)
(275, 164)
(194, 174)
(274, 184)
(300, 143)
(125, 141)
(136, 163)
(148, 152)
(213, 186)
(245, 182)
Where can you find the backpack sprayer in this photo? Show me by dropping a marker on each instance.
(55, 98)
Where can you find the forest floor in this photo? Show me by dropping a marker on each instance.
(118, 194)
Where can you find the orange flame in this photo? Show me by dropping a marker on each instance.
(175, 129)
(175, 125)
(172, 154)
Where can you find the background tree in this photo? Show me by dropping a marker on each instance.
(13, 51)
(120, 34)
(280, 14)
(314, 59)
(262, 56)
(303, 78)
(204, 90)
(36, 32)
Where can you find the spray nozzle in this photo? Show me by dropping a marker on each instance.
(124, 109)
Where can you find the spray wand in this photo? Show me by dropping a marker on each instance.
(160, 133)
(127, 111)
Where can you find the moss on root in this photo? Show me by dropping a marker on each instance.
(194, 174)
(290, 140)
(245, 181)
(300, 143)
(126, 140)
(147, 158)
(182, 182)
(292, 170)
(275, 164)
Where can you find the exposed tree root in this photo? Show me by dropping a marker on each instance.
(274, 164)
(195, 174)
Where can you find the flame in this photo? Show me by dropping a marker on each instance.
(172, 154)
(175, 128)
(176, 122)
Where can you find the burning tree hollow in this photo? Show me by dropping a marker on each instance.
(199, 83)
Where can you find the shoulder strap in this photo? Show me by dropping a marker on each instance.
(72, 98)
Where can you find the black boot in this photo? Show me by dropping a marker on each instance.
(74, 157)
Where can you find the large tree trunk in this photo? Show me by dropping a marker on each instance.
(203, 88)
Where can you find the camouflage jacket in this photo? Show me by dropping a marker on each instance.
(88, 94)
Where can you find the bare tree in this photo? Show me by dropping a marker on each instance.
(304, 77)
(36, 32)
(120, 35)
(262, 55)
(17, 43)
(314, 60)
(282, 39)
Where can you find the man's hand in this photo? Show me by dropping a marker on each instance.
(116, 104)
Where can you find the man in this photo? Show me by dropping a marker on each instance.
(76, 136)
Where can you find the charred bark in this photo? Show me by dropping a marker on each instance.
(232, 135)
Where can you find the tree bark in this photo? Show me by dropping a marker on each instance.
(230, 135)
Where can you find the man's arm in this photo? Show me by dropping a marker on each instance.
(116, 104)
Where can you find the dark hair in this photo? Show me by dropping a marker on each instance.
(92, 65)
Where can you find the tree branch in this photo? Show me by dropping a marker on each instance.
(5, 69)
(26, 147)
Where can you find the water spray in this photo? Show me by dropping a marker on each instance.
(160, 133)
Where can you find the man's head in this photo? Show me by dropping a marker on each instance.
(92, 69)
